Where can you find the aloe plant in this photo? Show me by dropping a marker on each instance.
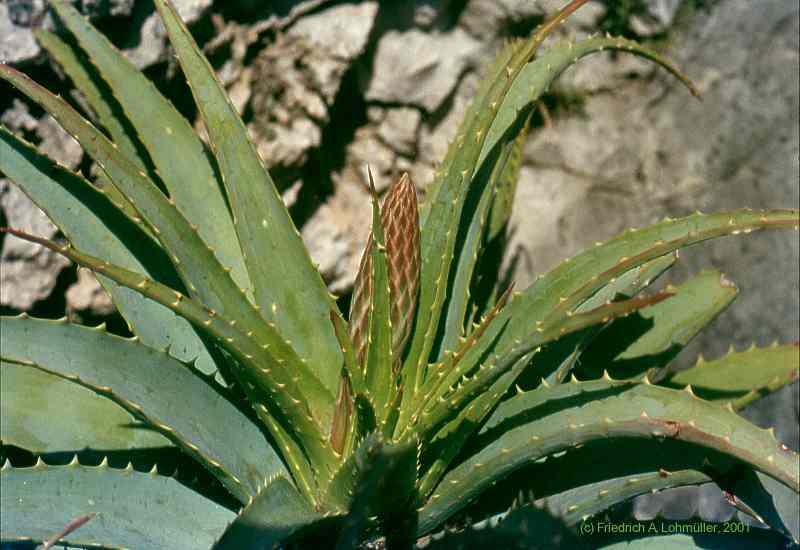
(393, 422)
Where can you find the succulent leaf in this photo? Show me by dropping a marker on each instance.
(45, 414)
(168, 136)
(443, 407)
(337, 434)
(377, 360)
(376, 481)
(449, 419)
(133, 509)
(587, 479)
(651, 339)
(773, 503)
(578, 278)
(288, 289)
(625, 286)
(486, 181)
(193, 259)
(273, 389)
(536, 77)
(149, 383)
(271, 517)
(441, 224)
(101, 102)
(488, 280)
(518, 433)
(741, 377)
(92, 223)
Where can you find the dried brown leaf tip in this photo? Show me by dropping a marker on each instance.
(400, 221)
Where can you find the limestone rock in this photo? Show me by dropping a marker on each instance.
(296, 78)
(17, 44)
(18, 19)
(29, 270)
(86, 294)
(412, 67)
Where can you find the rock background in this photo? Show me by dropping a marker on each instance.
(327, 87)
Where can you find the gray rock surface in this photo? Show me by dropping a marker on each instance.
(19, 18)
(298, 77)
(16, 41)
(413, 67)
(86, 294)
(29, 271)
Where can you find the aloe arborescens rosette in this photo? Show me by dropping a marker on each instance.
(391, 422)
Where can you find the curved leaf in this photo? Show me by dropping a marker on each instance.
(657, 334)
(93, 223)
(576, 279)
(102, 105)
(585, 480)
(438, 240)
(133, 509)
(44, 414)
(271, 517)
(288, 289)
(537, 76)
(191, 182)
(377, 342)
(741, 377)
(261, 364)
(550, 419)
(196, 262)
(151, 385)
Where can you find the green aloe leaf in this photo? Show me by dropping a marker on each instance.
(654, 337)
(536, 424)
(261, 365)
(537, 76)
(272, 516)
(487, 180)
(552, 364)
(378, 473)
(149, 384)
(288, 289)
(741, 377)
(378, 358)
(576, 279)
(191, 182)
(588, 479)
(529, 82)
(575, 504)
(376, 483)
(133, 509)
(501, 61)
(570, 351)
(44, 414)
(438, 241)
(92, 222)
(453, 412)
(101, 102)
(489, 278)
(774, 503)
(192, 258)
(565, 288)
(444, 406)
